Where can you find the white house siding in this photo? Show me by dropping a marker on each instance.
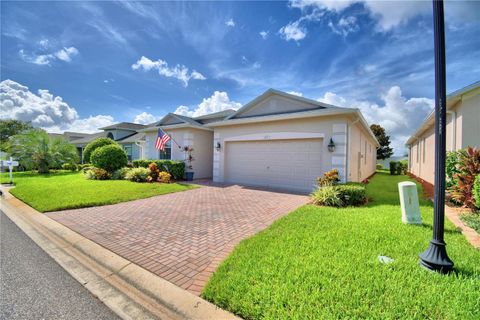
(296, 128)
(200, 140)
(362, 153)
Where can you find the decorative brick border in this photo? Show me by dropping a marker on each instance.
(453, 214)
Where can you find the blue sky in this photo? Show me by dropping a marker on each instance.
(103, 62)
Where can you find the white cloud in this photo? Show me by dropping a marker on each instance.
(179, 72)
(296, 93)
(398, 115)
(332, 5)
(145, 118)
(344, 26)
(219, 101)
(45, 110)
(293, 31)
(388, 14)
(65, 54)
(86, 125)
(264, 34)
(230, 23)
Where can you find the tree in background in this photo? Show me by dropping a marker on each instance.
(9, 128)
(35, 149)
(384, 152)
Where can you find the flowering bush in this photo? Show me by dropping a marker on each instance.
(97, 174)
(329, 178)
(154, 172)
(164, 177)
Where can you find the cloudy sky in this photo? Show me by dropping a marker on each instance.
(83, 65)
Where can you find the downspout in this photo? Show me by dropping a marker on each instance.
(140, 145)
(453, 116)
(347, 167)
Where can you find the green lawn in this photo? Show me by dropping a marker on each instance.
(322, 263)
(67, 190)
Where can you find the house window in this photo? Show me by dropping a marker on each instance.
(110, 135)
(167, 153)
(128, 151)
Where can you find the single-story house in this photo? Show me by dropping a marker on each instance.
(462, 127)
(277, 140)
(124, 133)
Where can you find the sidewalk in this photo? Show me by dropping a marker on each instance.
(129, 290)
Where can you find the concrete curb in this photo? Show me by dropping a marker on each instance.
(129, 290)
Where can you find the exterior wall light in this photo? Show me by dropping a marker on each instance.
(331, 146)
(218, 146)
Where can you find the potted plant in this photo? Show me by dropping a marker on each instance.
(188, 165)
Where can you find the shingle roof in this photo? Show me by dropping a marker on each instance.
(220, 114)
(125, 125)
(133, 138)
(90, 137)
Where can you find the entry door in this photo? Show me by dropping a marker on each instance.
(283, 164)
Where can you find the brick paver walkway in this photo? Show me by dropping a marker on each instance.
(183, 236)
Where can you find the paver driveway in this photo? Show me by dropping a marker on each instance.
(183, 236)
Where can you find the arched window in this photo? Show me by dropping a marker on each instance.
(110, 135)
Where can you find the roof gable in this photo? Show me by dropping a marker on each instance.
(170, 119)
(274, 102)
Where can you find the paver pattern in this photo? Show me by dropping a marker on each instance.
(182, 237)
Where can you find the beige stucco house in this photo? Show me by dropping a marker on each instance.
(278, 140)
(463, 130)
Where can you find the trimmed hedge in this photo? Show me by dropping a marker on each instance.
(174, 167)
(342, 195)
(398, 167)
(109, 157)
(95, 144)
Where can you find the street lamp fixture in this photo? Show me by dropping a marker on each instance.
(435, 258)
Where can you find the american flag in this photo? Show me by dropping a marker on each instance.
(162, 139)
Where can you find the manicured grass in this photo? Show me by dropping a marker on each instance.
(472, 220)
(67, 190)
(322, 263)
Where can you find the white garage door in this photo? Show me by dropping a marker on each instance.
(284, 164)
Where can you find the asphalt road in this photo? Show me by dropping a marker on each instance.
(34, 286)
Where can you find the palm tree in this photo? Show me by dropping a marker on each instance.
(35, 149)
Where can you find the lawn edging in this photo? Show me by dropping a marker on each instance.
(129, 290)
(453, 214)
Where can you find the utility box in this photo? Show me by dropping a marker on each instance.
(409, 203)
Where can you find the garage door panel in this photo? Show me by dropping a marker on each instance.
(286, 164)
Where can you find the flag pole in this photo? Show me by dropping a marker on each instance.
(179, 146)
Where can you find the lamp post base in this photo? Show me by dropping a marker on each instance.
(435, 258)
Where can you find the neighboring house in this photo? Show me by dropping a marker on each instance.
(124, 133)
(462, 127)
(277, 140)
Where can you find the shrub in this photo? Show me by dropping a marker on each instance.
(451, 167)
(87, 168)
(109, 157)
(340, 195)
(379, 166)
(97, 174)
(393, 167)
(164, 177)
(137, 174)
(352, 195)
(175, 168)
(468, 169)
(476, 191)
(327, 196)
(329, 178)
(154, 172)
(95, 144)
(404, 165)
(70, 166)
(121, 173)
(82, 166)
